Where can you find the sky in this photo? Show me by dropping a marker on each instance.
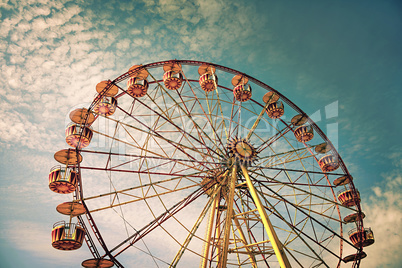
(339, 61)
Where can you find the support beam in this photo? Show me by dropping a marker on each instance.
(207, 246)
(229, 214)
(276, 244)
(244, 241)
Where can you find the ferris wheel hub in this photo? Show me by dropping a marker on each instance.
(241, 151)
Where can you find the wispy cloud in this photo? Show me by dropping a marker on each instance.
(50, 58)
(53, 53)
(35, 239)
(384, 215)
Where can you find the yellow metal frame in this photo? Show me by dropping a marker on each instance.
(223, 242)
(207, 245)
(276, 244)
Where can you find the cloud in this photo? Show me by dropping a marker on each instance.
(36, 239)
(384, 215)
(53, 53)
(57, 52)
(50, 58)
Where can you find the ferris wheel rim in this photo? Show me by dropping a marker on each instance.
(225, 69)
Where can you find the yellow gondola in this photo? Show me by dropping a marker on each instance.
(328, 163)
(304, 133)
(275, 110)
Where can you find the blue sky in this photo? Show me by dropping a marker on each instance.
(340, 54)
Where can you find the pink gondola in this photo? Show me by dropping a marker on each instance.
(208, 82)
(242, 92)
(75, 138)
(172, 80)
(67, 236)
(62, 180)
(137, 87)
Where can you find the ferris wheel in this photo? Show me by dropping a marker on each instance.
(172, 167)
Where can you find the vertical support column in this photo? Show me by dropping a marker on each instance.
(276, 244)
(229, 213)
(207, 246)
(218, 230)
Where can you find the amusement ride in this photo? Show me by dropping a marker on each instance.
(170, 166)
